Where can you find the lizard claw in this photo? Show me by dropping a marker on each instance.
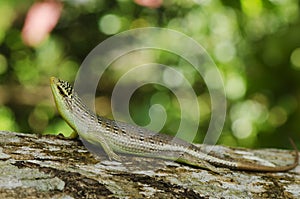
(114, 156)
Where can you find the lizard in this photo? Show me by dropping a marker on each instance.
(117, 137)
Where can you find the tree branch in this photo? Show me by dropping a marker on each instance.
(35, 166)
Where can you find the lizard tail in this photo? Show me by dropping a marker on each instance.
(256, 167)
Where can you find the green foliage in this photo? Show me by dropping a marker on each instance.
(254, 44)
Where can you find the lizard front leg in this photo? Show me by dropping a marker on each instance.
(96, 139)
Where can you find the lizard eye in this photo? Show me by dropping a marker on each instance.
(65, 89)
(61, 91)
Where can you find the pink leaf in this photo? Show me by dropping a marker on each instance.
(40, 21)
(149, 3)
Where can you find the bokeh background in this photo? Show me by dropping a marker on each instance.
(255, 44)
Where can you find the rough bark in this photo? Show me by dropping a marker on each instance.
(34, 166)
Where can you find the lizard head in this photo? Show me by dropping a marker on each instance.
(63, 87)
(64, 98)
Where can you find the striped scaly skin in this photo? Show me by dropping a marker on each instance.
(114, 136)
